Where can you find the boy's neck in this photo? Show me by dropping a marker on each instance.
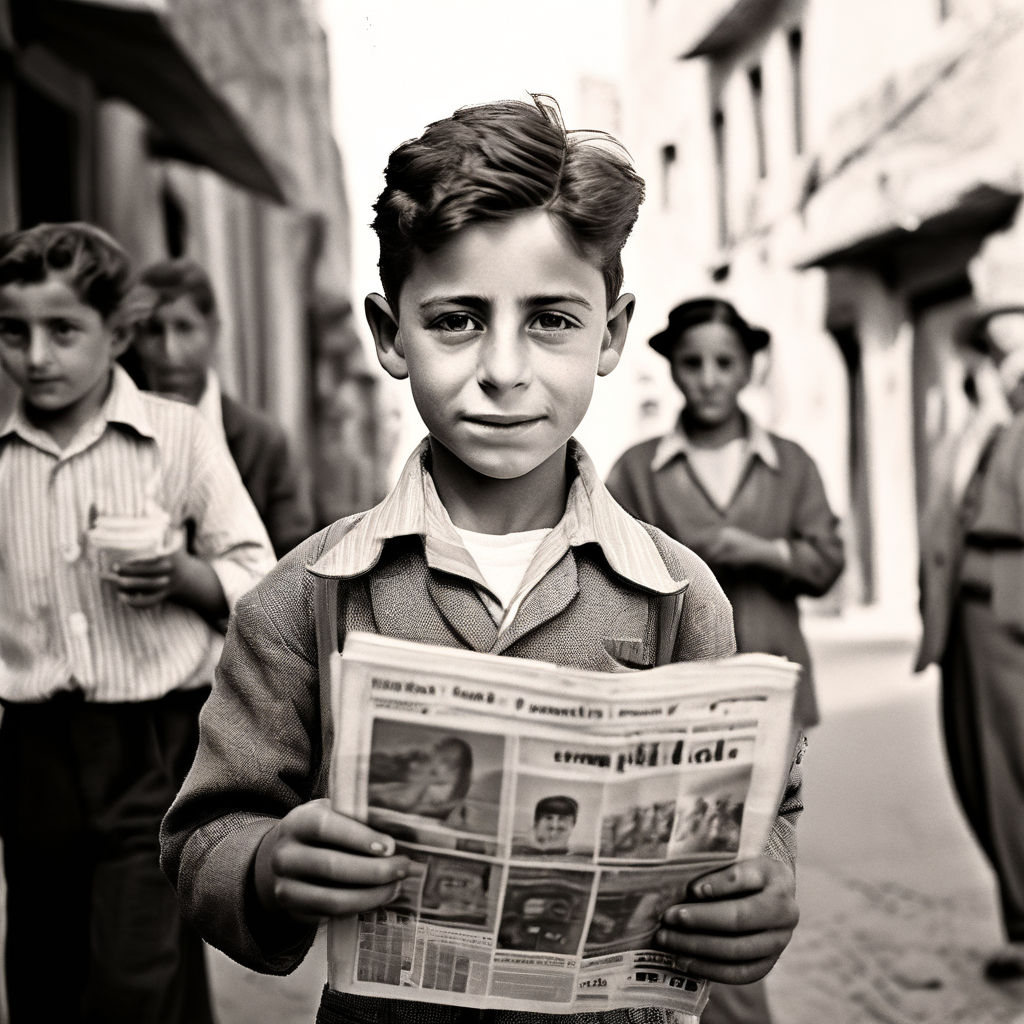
(484, 504)
(704, 435)
(63, 425)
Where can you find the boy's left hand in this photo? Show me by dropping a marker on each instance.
(144, 582)
(735, 923)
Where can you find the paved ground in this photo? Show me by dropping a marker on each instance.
(897, 903)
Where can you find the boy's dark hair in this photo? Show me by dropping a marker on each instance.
(563, 806)
(489, 162)
(171, 279)
(92, 263)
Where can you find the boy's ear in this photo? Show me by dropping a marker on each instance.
(619, 315)
(384, 327)
(121, 338)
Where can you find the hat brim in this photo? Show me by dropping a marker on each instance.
(753, 339)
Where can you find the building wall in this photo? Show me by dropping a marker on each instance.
(855, 408)
(281, 271)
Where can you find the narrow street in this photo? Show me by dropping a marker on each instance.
(898, 906)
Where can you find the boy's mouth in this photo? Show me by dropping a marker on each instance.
(495, 420)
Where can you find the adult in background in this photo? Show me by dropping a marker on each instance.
(749, 502)
(972, 600)
(175, 349)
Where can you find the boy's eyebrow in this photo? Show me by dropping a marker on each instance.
(555, 299)
(474, 301)
(527, 302)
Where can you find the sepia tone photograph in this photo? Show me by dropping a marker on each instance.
(499, 327)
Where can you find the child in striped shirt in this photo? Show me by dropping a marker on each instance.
(97, 480)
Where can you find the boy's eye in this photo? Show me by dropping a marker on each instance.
(63, 328)
(12, 332)
(551, 321)
(456, 323)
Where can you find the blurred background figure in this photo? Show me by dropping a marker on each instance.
(972, 603)
(749, 502)
(175, 349)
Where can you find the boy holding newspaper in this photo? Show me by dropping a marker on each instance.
(500, 239)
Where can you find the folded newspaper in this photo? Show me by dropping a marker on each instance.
(551, 816)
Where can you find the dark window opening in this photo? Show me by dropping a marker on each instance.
(757, 104)
(175, 223)
(860, 575)
(668, 158)
(47, 155)
(718, 130)
(795, 45)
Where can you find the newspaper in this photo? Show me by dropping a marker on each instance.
(550, 815)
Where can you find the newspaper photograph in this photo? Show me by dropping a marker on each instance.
(550, 816)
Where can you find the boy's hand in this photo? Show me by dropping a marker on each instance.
(316, 863)
(176, 576)
(144, 582)
(735, 923)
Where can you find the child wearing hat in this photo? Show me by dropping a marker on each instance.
(749, 502)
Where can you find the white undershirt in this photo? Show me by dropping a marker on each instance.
(503, 559)
(719, 469)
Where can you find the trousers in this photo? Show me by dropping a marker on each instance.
(983, 726)
(93, 930)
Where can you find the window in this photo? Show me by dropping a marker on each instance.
(795, 45)
(757, 108)
(718, 130)
(668, 158)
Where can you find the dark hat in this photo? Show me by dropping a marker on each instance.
(973, 330)
(704, 311)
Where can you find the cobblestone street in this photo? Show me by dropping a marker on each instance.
(898, 908)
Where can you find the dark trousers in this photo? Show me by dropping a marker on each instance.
(93, 930)
(983, 724)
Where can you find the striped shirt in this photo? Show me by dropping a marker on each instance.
(413, 508)
(139, 452)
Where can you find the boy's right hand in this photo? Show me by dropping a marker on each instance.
(316, 863)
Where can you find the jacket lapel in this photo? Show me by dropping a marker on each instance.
(549, 598)
(460, 606)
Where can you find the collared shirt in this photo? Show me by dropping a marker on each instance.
(413, 508)
(138, 452)
(209, 406)
(676, 443)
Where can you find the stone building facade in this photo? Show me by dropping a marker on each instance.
(850, 176)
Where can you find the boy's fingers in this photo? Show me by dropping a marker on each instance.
(323, 865)
(730, 974)
(319, 825)
(142, 584)
(725, 949)
(742, 877)
(763, 911)
(160, 566)
(143, 600)
(309, 900)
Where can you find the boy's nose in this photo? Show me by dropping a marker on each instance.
(39, 350)
(504, 361)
